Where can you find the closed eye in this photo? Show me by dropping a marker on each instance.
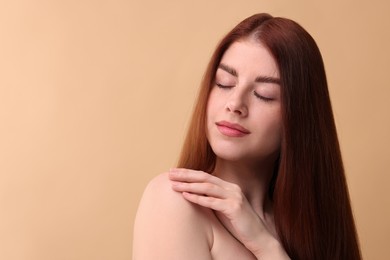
(223, 86)
(266, 99)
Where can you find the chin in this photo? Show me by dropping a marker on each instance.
(229, 157)
(229, 154)
(243, 154)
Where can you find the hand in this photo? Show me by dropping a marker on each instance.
(230, 204)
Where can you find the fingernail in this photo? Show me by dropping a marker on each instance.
(175, 184)
(171, 175)
(172, 172)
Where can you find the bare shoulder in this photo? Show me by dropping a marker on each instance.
(169, 227)
(159, 195)
(160, 187)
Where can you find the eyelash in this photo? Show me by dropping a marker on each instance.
(265, 99)
(223, 86)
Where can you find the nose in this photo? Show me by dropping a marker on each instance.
(237, 104)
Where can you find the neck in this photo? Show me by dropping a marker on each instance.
(252, 179)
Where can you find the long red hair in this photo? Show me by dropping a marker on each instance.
(311, 203)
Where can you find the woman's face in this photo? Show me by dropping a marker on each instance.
(243, 110)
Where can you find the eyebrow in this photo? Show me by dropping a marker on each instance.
(266, 79)
(228, 69)
(259, 79)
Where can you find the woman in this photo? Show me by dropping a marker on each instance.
(260, 175)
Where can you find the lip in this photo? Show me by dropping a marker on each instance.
(232, 129)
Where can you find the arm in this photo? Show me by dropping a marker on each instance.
(168, 227)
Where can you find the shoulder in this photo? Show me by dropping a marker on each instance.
(159, 195)
(160, 198)
(169, 224)
(160, 186)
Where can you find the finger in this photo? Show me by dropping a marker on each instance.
(205, 189)
(208, 202)
(187, 175)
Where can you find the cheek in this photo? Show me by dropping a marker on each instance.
(212, 105)
(210, 112)
(270, 131)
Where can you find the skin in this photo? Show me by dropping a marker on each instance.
(226, 214)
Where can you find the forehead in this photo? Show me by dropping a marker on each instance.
(250, 57)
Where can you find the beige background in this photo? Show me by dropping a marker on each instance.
(95, 97)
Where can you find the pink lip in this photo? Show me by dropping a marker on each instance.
(231, 129)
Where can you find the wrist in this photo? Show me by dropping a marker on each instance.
(271, 248)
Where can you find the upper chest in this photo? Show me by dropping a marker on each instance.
(225, 245)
